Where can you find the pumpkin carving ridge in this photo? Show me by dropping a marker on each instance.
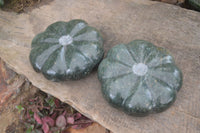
(139, 78)
(66, 50)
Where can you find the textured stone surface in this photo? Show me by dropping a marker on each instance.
(139, 78)
(120, 21)
(66, 50)
(9, 84)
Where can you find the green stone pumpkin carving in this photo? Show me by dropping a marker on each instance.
(139, 78)
(66, 50)
(195, 4)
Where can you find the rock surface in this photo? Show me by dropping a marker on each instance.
(120, 21)
(10, 83)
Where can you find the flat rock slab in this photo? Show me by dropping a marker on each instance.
(120, 21)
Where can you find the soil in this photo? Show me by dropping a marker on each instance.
(9, 117)
(20, 6)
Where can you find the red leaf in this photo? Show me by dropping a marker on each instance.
(37, 118)
(81, 125)
(45, 128)
(82, 121)
(57, 102)
(64, 113)
(48, 120)
(28, 115)
(33, 99)
(85, 125)
(70, 120)
(75, 127)
(77, 116)
(53, 116)
(84, 118)
(61, 121)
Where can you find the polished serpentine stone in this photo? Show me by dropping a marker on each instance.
(139, 78)
(66, 50)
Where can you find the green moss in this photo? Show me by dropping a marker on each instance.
(1, 2)
(195, 4)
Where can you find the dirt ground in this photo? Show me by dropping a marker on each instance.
(20, 6)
